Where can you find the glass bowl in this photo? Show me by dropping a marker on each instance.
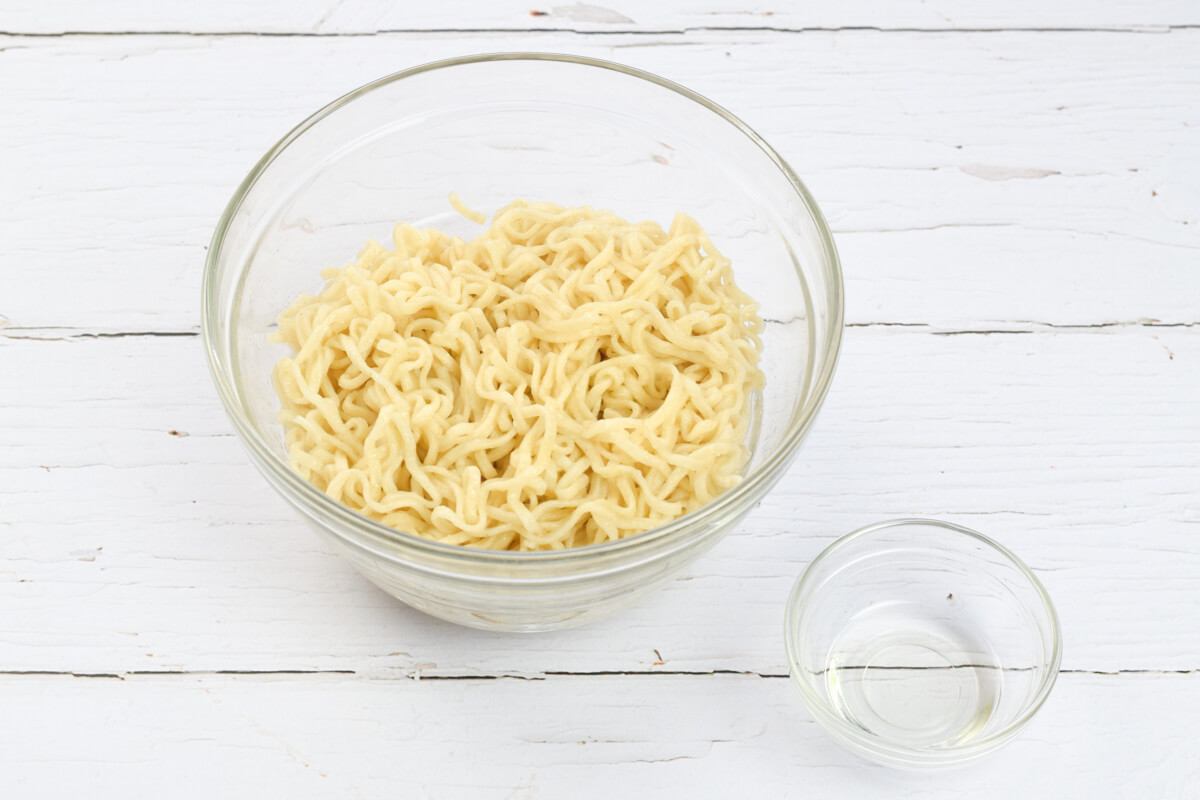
(919, 643)
(493, 128)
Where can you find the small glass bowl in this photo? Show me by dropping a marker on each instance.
(918, 643)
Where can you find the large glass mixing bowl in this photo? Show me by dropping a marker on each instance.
(492, 128)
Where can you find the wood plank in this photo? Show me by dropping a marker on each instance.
(1023, 182)
(581, 737)
(368, 16)
(128, 547)
(973, 179)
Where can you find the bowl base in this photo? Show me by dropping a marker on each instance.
(914, 686)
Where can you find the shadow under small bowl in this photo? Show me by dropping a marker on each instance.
(918, 643)
(494, 128)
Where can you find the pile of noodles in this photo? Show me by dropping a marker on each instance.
(563, 379)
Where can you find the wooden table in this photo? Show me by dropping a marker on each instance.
(1013, 187)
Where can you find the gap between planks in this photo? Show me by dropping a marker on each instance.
(618, 31)
(417, 675)
(56, 334)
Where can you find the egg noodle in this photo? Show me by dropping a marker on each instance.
(565, 378)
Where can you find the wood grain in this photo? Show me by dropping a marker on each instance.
(993, 181)
(341, 736)
(136, 535)
(333, 17)
(1012, 188)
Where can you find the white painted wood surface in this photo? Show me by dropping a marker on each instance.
(325, 17)
(1019, 175)
(1013, 188)
(588, 737)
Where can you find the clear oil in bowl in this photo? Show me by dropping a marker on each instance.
(910, 681)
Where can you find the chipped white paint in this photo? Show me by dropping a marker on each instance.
(477, 16)
(1020, 227)
(991, 172)
(880, 137)
(1077, 448)
(588, 737)
(583, 12)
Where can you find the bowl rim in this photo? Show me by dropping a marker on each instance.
(371, 529)
(916, 756)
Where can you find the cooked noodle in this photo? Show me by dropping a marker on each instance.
(565, 378)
